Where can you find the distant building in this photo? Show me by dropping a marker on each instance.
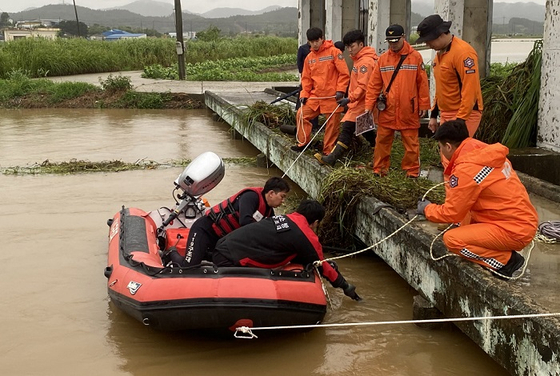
(47, 33)
(115, 34)
(186, 35)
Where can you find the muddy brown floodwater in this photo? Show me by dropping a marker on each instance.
(56, 318)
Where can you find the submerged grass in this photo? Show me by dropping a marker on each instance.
(75, 166)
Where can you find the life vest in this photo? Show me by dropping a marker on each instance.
(226, 218)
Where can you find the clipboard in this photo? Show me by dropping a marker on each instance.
(364, 123)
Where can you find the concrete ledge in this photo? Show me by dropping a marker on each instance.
(456, 287)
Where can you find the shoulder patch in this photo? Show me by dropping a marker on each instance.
(363, 69)
(468, 62)
(340, 57)
(453, 181)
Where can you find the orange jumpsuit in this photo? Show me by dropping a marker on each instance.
(364, 64)
(408, 94)
(458, 93)
(324, 73)
(483, 182)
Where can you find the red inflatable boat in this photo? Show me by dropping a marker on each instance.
(205, 296)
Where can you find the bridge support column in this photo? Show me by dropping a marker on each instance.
(548, 135)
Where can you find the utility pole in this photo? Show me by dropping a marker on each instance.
(77, 21)
(179, 44)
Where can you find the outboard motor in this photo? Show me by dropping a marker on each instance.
(201, 175)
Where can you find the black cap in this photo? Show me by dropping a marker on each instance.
(431, 28)
(394, 33)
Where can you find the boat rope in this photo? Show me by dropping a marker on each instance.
(549, 232)
(245, 332)
(434, 258)
(311, 141)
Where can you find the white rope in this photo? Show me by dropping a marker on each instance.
(311, 141)
(249, 331)
(319, 262)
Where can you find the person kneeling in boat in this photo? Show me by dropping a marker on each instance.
(482, 182)
(281, 239)
(246, 206)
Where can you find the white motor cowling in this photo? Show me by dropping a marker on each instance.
(201, 175)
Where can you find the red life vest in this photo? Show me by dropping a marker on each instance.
(226, 218)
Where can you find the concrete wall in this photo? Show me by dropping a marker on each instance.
(456, 287)
(549, 107)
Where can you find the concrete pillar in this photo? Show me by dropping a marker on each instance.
(383, 13)
(311, 14)
(379, 16)
(333, 20)
(472, 22)
(548, 134)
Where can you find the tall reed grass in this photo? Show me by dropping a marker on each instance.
(62, 57)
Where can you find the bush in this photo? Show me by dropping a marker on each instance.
(113, 84)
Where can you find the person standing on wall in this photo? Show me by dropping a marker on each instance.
(364, 62)
(398, 90)
(456, 72)
(324, 80)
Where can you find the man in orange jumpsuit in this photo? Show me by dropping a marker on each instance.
(482, 182)
(364, 59)
(456, 72)
(324, 81)
(400, 105)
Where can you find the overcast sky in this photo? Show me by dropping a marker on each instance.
(189, 5)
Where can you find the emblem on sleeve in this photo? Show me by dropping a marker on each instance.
(363, 69)
(340, 57)
(468, 62)
(453, 181)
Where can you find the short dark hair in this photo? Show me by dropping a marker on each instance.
(314, 33)
(353, 36)
(452, 131)
(311, 210)
(276, 184)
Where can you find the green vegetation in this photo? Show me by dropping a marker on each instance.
(19, 91)
(511, 96)
(235, 69)
(62, 57)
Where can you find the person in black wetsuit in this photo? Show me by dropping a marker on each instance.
(246, 206)
(278, 240)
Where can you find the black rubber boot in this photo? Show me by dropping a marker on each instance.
(338, 152)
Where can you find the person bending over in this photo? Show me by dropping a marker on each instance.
(281, 239)
(246, 206)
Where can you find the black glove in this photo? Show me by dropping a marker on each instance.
(422, 206)
(302, 101)
(349, 289)
(339, 95)
(343, 102)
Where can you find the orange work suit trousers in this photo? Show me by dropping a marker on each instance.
(485, 243)
(472, 125)
(382, 152)
(303, 121)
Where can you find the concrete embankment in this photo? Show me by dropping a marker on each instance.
(457, 288)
